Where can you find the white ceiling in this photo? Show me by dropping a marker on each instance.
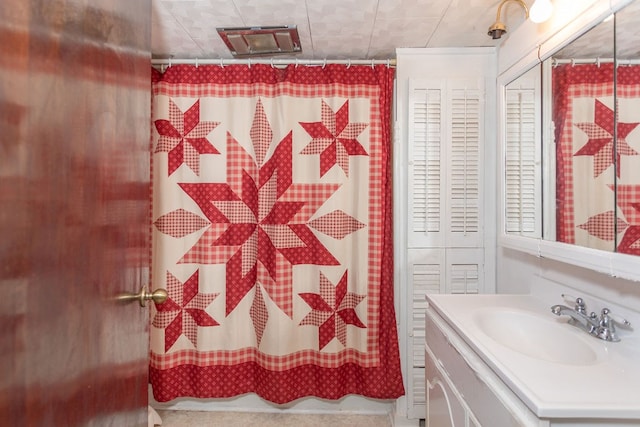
(329, 29)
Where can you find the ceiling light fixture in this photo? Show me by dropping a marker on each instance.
(248, 41)
(540, 11)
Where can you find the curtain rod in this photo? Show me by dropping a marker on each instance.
(271, 61)
(575, 61)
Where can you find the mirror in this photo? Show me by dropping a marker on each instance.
(580, 87)
(572, 172)
(627, 85)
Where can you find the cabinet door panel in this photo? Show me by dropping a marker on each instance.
(484, 405)
(443, 406)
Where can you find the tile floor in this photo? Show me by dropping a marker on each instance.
(172, 418)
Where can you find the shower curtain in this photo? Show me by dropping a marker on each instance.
(272, 232)
(598, 185)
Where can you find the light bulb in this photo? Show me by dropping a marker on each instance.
(540, 11)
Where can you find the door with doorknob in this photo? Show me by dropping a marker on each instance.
(74, 212)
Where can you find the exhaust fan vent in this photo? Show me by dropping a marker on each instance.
(246, 41)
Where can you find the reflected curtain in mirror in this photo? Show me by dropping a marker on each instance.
(597, 157)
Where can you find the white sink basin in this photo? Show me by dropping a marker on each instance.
(536, 336)
(556, 369)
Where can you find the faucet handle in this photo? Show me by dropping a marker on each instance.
(579, 306)
(620, 321)
(607, 325)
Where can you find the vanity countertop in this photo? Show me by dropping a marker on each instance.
(563, 374)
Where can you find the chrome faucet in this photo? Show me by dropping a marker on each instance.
(603, 326)
(587, 323)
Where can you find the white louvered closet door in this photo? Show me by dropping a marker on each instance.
(446, 123)
(445, 246)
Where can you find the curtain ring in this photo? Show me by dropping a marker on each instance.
(598, 61)
(348, 63)
(324, 63)
(573, 62)
(272, 66)
(296, 62)
(169, 63)
(196, 62)
(249, 63)
(388, 63)
(221, 63)
(372, 65)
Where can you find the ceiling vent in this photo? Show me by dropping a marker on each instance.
(247, 41)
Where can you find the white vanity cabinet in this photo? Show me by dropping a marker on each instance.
(472, 379)
(461, 389)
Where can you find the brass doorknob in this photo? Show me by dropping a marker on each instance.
(158, 296)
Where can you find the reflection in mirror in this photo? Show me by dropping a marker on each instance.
(627, 182)
(582, 118)
(523, 177)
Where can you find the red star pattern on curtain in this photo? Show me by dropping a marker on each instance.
(260, 222)
(602, 225)
(600, 144)
(184, 137)
(332, 310)
(607, 225)
(334, 138)
(183, 311)
(628, 200)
